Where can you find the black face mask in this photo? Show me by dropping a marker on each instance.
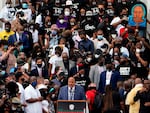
(101, 64)
(39, 65)
(101, 10)
(22, 79)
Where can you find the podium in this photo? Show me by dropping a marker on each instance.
(72, 106)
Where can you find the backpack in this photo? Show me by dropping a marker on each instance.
(98, 101)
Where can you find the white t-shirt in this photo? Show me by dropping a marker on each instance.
(115, 20)
(38, 20)
(34, 35)
(8, 14)
(21, 92)
(53, 60)
(122, 50)
(65, 50)
(35, 107)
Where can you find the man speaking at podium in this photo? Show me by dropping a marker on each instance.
(71, 91)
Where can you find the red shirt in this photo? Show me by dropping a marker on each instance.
(90, 94)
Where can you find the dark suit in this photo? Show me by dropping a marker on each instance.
(73, 70)
(113, 81)
(34, 72)
(79, 93)
(13, 38)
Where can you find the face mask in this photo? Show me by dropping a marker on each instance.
(54, 32)
(82, 75)
(80, 64)
(89, 59)
(100, 37)
(54, 97)
(124, 3)
(94, 3)
(7, 29)
(116, 63)
(22, 79)
(21, 48)
(72, 23)
(101, 10)
(110, 12)
(138, 50)
(5, 47)
(113, 35)
(26, 29)
(39, 65)
(61, 21)
(96, 55)
(8, 5)
(2, 73)
(148, 77)
(67, 13)
(109, 3)
(24, 5)
(101, 64)
(82, 14)
(34, 84)
(49, 23)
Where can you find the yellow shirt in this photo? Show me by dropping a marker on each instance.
(5, 35)
(133, 106)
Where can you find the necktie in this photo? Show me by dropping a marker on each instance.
(71, 94)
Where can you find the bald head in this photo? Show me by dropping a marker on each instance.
(33, 78)
(71, 82)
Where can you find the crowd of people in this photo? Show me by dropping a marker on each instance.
(72, 49)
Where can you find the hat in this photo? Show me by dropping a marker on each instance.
(41, 86)
(68, 2)
(89, 13)
(16, 100)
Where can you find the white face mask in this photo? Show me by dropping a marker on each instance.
(138, 50)
(61, 21)
(89, 59)
(113, 35)
(67, 13)
(96, 56)
(148, 77)
(8, 5)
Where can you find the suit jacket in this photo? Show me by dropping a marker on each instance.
(71, 64)
(13, 38)
(34, 72)
(94, 74)
(113, 81)
(73, 70)
(78, 95)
